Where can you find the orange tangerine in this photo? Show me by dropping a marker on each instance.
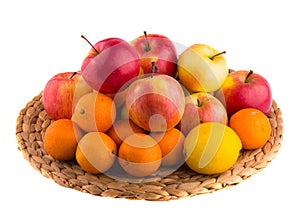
(122, 129)
(139, 155)
(171, 144)
(252, 126)
(96, 152)
(60, 139)
(94, 112)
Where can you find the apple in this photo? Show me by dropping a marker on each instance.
(81, 89)
(199, 108)
(245, 89)
(159, 49)
(110, 64)
(155, 102)
(202, 68)
(59, 94)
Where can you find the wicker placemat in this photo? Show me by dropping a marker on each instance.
(33, 121)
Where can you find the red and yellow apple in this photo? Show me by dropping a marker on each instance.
(61, 92)
(199, 108)
(245, 89)
(156, 48)
(81, 89)
(202, 68)
(155, 102)
(110, 64)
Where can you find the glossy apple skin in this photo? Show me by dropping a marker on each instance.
(116, 63)
(162, 51)
(199, 108)
(198, 71)
(155, 103)
(58, 95)
(238, 93)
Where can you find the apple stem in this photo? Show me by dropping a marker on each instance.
(74, 73)
(230, 71)
(154, 68)
(89, 43)
(220, 53)
(148, 48)
(198, 103)
(248, 75)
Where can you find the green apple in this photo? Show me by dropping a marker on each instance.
(202, 68)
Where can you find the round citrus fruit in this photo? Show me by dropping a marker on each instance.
(61, 138)
(139, 155)
(96, 152)
(252, 126)
(171, 145)
(122, 129)
(211, 148)
(94, 112)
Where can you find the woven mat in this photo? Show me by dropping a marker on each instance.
(33, 121)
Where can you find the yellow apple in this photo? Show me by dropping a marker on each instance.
(202, 68)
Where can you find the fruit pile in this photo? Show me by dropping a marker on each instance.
(140, 106)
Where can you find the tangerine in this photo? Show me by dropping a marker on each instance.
(94, 112)
(139, 155)
(252, 126)
(96, 152)
(122, 129)
(171, 145)
(61, 138)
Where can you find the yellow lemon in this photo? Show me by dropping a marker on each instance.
(211, 148)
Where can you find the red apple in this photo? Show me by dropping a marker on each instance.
(245, 89)
(199, 108)
(155, 102)
(59, 94)
(159, 49)
(110, 64)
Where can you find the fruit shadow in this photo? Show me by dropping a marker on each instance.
(117, 172)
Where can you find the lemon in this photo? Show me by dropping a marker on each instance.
(211, 148)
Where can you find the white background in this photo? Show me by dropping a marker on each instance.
(41, 38)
